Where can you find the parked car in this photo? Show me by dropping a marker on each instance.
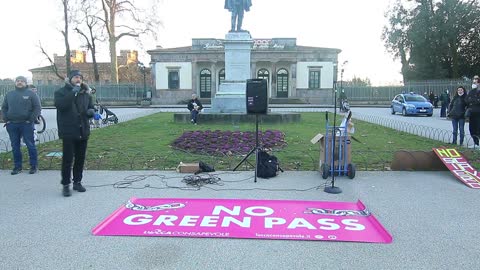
(411, 104)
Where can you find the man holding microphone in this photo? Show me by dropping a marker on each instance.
(74, 108)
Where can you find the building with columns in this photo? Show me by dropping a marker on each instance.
(292, 71)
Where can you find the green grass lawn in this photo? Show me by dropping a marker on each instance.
(144, 143)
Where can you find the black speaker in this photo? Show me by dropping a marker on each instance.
(257, 96)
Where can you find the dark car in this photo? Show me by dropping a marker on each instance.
(411, 104)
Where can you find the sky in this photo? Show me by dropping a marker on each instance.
(354, 26)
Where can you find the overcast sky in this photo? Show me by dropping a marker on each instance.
(354, 26)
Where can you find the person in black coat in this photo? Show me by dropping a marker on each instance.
(74, 109)
(473, 102)
(456, 112)
(194, 106)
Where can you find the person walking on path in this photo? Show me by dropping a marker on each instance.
(20, 108)
(74, 109)
(473, 102)
(456, 112)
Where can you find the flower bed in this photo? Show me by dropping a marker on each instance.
(220, 142)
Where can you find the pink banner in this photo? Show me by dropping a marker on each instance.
(459, 166)
(266, 219)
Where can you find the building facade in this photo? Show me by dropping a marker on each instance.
(128, 69)
(292, 71)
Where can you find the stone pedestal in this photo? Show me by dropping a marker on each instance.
(230, 97)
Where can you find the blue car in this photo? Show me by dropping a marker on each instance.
(411, 104)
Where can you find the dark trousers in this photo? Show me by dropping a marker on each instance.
(194, 115)
(458, 125)
(443, 109)
(17, 131)
(77, 149)
(474, 126)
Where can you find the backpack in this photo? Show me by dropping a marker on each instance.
(267, 165)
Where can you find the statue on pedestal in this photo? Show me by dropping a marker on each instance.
(237, 8)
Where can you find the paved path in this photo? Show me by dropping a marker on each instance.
(432, 217)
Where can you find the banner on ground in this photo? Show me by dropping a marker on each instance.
(459, 166)
(263, 219)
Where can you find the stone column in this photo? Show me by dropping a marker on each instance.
(293, 87)
(195, 78)
(213, 68)
(274, 80)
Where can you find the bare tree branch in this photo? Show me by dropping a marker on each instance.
(52, 63)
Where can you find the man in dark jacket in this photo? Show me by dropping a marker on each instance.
(20, 109)
(194, 106)
(445, 99)
(473, 102)
(456, 112)
(74, 108)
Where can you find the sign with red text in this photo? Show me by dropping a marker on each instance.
(263, 219)
(459, 166)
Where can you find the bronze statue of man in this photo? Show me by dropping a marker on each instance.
(237, 7)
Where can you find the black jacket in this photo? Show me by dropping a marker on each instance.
(72, 119)
(190, 105)
(473, 100)
(457, 107)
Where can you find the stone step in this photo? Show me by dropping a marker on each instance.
(234, 118)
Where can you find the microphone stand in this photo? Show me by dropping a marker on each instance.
(333, 189)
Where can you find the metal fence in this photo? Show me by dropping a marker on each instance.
(387, 93)
(106, 92)
(371, 94)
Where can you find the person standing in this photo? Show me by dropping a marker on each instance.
(194, 106)
(20, 108)
(445, 99)
(473, 102)
(431, 97)
(456, 112)
(74, 109)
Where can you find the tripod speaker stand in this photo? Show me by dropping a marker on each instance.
(257, 103)
(254, 150)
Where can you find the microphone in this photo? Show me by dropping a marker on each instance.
(77, 85)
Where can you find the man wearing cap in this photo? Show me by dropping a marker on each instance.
(20, 108)
(74, 108)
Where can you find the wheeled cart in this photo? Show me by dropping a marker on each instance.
(337, 150)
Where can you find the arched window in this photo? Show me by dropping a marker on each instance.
(282, 83)
(205, 83)
(264, 74)
(221, 76)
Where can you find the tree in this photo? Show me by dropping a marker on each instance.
(52, 63)
(136, 22)
(93, 32)
(359, 82)
(434, 39)
(395, 35)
